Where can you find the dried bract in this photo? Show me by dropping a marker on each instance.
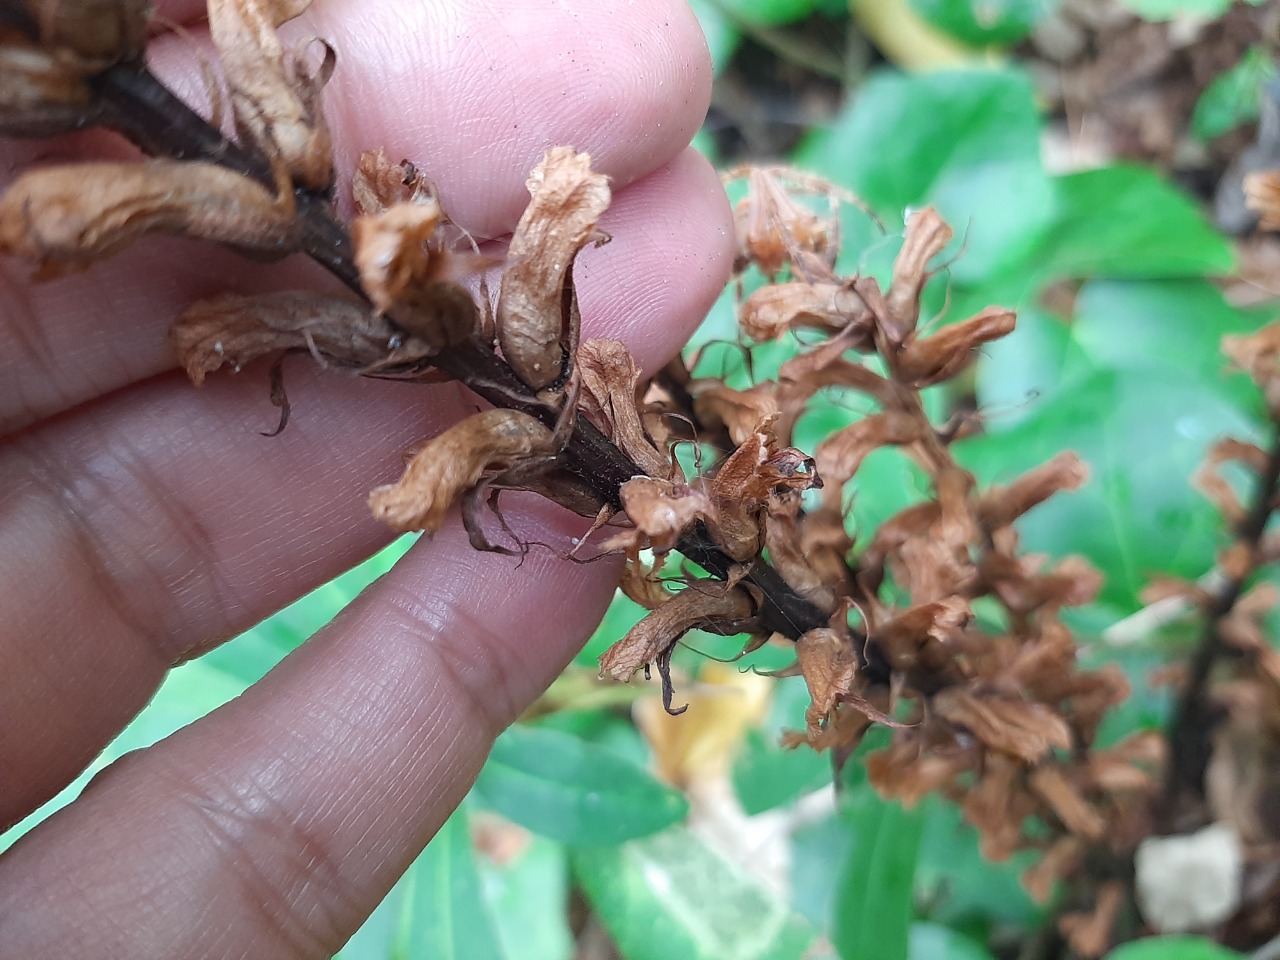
(927, 235)
(41, 92)
(715, 606)
(65, 217)
(567, 199)
(744, 482)
(275, 97)
(609, 380)
(233, 330)
(940, 357)
(101, 30)
(449, 465)
(831, 308)
(661, 511)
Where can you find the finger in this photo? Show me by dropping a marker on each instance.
(442, 84)
(162, 519)
(273, 827)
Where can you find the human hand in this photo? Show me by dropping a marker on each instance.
(142, 521)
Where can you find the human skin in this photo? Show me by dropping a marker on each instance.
(143, 521)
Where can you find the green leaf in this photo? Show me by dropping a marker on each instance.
(1177, 324)
(875, 894)
(444, 913)
(1173, 948)
(1128, 222)
(671, 896)
(1142, 431)
(933, 941)
(573, 791)
(985, 22)
(723, 37)
(1168, 9)
(767, 13)
(962, 887)
(1234, 97)
(528, 897)
(979, 149)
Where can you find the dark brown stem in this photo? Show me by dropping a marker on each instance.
(1190, 735)
(139, 106)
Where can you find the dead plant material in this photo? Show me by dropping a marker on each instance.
(717, 607)
(275, 96)
(104, 31)
(492, 442)
(66, 217)
(534, 319)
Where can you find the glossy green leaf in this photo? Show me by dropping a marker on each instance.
(1173, 948)
(1142, 431)
(977, 159)
(574, 791)
(1127, 221)
(671, 896)
(875, 893)
(1234, 97)
(985, 22)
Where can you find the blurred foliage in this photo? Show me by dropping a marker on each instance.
(1115, 356)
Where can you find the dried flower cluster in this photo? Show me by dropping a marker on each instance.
(999, 718)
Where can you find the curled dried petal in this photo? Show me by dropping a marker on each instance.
(743, 483)
(998, 806)
(828, 307)
(790, 554)
(41, 92)
(839, 456)
(921, 632)
(1208, 479)
(927, 234)
(1262, 195)
(1000, 506)
(609, 377)
(704, 605)
(232, 329)
(1090, 933)
(908, 772)
(661, 510)
(391, 249)
(567, 199)
(67, 216)
(378, 183)
(275, 98)
(940, 357)
(103, 30)
(1076, 813)
(449, 465)
(1258, 355)
(737, 412)
(1007, 723)
(1058, 862)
